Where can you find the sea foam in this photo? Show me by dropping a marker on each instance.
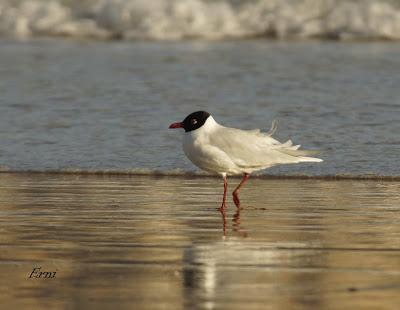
(201, 19)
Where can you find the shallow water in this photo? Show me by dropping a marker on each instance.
(107, 105)
(159, 242)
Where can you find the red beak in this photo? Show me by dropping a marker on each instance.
(176, 125)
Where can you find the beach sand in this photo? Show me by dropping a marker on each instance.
(142, 242)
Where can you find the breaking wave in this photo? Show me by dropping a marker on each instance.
(201, 19)
(196, 173)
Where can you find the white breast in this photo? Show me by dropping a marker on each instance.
(197, 147)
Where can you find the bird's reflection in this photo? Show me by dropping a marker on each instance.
(236, 226)
(223, 215)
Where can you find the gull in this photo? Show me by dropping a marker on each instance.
(229, 151)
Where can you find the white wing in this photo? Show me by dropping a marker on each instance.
(254, 150)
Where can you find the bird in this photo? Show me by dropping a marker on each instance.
(230, 151)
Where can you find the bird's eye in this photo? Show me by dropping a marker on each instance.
(193, 121)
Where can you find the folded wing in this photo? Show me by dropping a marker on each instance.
(254, 150)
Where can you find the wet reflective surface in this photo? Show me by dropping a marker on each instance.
(159, 243)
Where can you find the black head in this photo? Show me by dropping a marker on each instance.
(193, 121)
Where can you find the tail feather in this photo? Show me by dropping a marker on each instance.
(310, 159)
(302, 155)
(298, 153)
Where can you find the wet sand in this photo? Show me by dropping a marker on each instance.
(141, 242)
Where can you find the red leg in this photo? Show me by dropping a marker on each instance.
(235, 193)
(223, 205)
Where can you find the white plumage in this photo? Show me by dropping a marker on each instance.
(223, 150)
(226, 151)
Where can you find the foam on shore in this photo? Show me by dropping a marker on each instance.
(197, 173)
(201, 19)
